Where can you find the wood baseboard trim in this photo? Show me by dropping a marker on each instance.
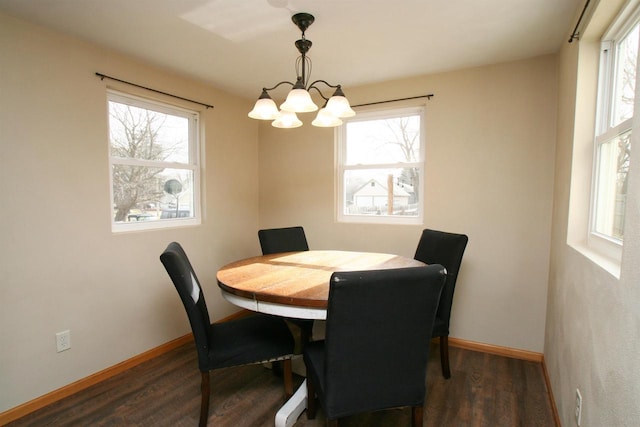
(552, 400)
(52, 397)
(514, 353)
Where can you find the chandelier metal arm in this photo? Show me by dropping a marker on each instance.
(320, 92)
(325, 82)
(338, 89)
(277, 86)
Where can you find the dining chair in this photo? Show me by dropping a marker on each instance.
(255, 339)
(287, 239)
(447, 249)
(373, 356)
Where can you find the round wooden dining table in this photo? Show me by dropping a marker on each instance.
(296, 285)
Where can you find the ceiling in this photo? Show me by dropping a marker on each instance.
(242, 45)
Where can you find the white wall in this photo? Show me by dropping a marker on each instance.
(593, 321)
(60, 265)
(489, 162)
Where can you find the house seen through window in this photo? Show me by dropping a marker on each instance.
(154, 164)
(380, 167)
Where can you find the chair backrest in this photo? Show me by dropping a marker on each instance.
(378, 327)
(447, 249)
(277, 240)
(177, 264)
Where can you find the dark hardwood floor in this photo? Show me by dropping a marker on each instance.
(484, 390)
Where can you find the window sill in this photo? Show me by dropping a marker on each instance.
(608, 264)
(154, 225)
(379, 219)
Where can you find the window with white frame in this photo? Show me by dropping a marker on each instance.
(380, 167)
(153, 156)
(616, 95)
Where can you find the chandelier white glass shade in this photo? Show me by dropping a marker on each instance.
(265, 108)
(299, 101)
(287, 120)
(325, 119)
(339, 106)
(299, 98)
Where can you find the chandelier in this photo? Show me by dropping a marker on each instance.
(299, 98)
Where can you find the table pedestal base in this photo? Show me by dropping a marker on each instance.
(289, 413)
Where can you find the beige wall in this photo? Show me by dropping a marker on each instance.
(593, 321)
(490, 173)
(60, 265)
(490, 156)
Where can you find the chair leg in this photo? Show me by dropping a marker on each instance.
(416, 416)
(276, 368)
(205, 390)
(444, 356)
(305, 335)
(311, 400)
(288, 378)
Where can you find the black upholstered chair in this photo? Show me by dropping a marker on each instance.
(288, 239)
(248, 340)
(373, 356)
(439, 247)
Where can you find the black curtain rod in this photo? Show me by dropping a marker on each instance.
(576, 34)
(103, 76)
(394, 100)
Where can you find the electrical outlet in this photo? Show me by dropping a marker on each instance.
(578, 407)
(63, 341)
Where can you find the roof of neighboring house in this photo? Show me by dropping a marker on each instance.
(377, 189)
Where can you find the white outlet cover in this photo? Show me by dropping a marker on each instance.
(63, 341)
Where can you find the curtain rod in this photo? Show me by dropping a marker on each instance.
(104, 76)
(394, 100)
(576, 33)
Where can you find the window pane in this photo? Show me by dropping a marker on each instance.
(142, 133)
(142, 193)
(154, 164)
(392, 140)
(611, 185)
(382, 192)
(625, 78)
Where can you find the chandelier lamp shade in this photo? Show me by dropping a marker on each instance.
(299, 98)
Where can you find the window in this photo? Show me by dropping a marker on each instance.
(380, 167)
(616, 94)
(154, 164)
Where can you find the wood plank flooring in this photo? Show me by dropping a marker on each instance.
(484, 390)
